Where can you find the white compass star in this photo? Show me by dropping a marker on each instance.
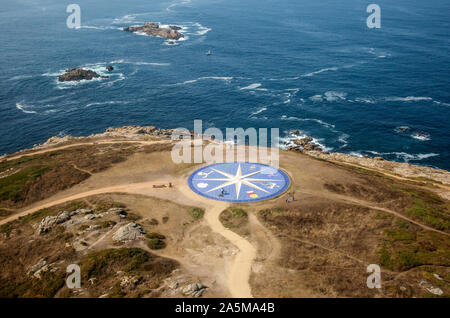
(238, 180)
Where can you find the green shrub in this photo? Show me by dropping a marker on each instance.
(14, 187)
(106, 224)
(156, 244)
(196, 213)
(155, 235)
(238, 213)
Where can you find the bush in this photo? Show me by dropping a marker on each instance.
(106, 224)
(155, 235)
(156, 244)
(238, 213)
(196, 213)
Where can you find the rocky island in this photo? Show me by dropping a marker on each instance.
(153, 29)
(78, 74)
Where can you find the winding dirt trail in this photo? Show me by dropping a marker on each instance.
(239, 274)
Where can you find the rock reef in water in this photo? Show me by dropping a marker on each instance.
(153, 29)
(78, 74)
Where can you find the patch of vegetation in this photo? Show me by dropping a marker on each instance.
(430, 214)
(39, 215)
(5, 213)
(405, 246)
(156, 241)
(105, 205)
(268, 212)
(83, 227)
(426, 206)
(238, 213)
(106, 224)
(100, 264)
(196, 213)
(14, 187)
(65, 236)
(235, 219)
(156, 244)
(155, 235)
(46, 287)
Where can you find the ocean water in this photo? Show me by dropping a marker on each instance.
(291, 64)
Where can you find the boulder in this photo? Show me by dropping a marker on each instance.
(195, 289)
(129, 232)
(49, 222)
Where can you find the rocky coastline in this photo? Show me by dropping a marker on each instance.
(305, 145)
(154, 29)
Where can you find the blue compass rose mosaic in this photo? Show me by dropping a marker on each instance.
(239, 182)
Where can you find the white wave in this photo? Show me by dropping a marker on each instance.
(365, 100)
(259, 111)
(128, 18)
(19, 77)
(321, 71)
(122, 61)
(441, 103)
(252, 86)
(202, 30)
(408, 99)
(108, 103)
(316, 98)
(320, 122)
(356, 154)
(176, 4)
(332, 96)
(421, 136)
(22, 108)
(343, 139)
(226, 79)
(99, 27)
(405, 156)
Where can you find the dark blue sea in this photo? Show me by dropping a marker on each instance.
(309, 65)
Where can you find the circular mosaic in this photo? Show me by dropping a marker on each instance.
(239, 182)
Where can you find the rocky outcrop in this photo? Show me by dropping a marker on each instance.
(129, 232)
(302, 144)
(49, 222)
(194, 290)
(153, 29)
(78, 74)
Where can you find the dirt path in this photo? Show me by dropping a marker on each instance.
(126, 188)
(239, 275)
(238, 279)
